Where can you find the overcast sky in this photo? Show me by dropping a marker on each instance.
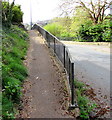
(41, 9)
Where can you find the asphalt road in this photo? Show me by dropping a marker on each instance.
(92, 66)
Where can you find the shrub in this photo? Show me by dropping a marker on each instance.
(95, 33)
(83, 34)
(59, 31)
(107, 34)
(17, 14)
(12, 88)
(54, 29)
(11, 14)
(85, 105)
(7, 108)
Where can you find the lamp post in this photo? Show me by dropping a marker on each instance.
(111, 9)
(30, 14)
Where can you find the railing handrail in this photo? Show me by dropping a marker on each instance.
(58, 41)
(64, 57)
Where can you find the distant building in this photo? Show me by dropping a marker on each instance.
(43, 23)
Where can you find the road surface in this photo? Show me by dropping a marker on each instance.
(92, 66)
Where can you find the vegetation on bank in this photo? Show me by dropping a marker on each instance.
(14, 49)
(11, 14)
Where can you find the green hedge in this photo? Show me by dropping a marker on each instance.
(96, 33)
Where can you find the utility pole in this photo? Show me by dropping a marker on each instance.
(111, 9)
(30, 14)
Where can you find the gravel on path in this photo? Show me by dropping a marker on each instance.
(44, 94)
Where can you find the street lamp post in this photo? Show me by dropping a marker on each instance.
(30, 14)
(111, 9)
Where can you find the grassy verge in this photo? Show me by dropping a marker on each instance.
(14, 48)
(85, 105)
(88, 43)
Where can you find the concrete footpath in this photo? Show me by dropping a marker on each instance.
(45, 94)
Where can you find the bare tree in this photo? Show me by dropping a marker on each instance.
(95, 8)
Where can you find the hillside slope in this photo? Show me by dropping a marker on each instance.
(14, 49)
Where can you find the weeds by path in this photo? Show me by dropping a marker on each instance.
(90, 106)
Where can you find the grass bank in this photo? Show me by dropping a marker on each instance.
(14, 49)
(107, 44)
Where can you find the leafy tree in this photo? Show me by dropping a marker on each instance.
(11, 14)
(64, 21)
(80, 19)
(95, 9)
(17, 14)
(7, 13)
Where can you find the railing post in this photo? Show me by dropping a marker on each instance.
(67, 61)
(47, 39)
(64, 55)
(69, 71)
(72, 82)
(54, 46)
(73, 102)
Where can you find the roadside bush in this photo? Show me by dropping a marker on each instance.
(17, 14)
(85, 105)
(7, 108)
(65, 34)
(107, 34)
(11, 13)
(54, 29)
(59, 31)
(12, 88)
(95, 33)
(83, 34)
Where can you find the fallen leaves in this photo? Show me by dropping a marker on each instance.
(101, 112)
(102, 109)
(90, 92)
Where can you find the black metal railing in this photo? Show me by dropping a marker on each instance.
(62, 52)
